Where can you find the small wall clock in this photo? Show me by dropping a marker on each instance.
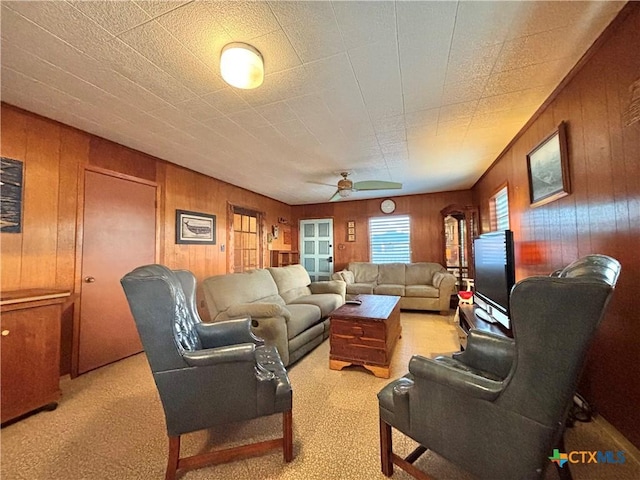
(388, 206)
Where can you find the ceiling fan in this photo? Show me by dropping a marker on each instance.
(346, 186)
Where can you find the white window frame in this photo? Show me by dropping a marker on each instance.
(390, 223)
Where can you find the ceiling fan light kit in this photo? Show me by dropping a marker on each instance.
(241, 66)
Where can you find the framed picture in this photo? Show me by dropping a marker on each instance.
(351, 224)
(195, 228)
(351, 231)
(351, 238)
(11, 196)
(548, 168)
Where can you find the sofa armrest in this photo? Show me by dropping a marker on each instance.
(228, 332)
(445, 282)
(330, 286)
(337, 276)
(258, 310)
(426, 370)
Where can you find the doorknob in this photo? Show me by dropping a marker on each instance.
(330, 259)
(89, 279)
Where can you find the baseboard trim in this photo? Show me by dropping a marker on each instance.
(632, 453)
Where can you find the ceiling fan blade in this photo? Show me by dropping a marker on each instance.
(323, 184)
(376, 185)
(336, 196)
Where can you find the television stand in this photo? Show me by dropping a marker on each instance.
(470, 317)
(482, 314)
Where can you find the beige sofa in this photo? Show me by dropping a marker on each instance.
(286, 309)
(421, 286)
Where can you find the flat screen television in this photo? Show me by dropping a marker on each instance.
(494, 275)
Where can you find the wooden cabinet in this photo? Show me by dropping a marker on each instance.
(365, 334)
(30, 350)
(460, 227)
(281, 258)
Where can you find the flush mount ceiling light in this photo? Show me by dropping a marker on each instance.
(241, 66)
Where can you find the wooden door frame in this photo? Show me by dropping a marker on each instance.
(262, 237)
(75, 343)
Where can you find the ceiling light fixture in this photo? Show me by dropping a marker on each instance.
(241, 66)
(344, 193)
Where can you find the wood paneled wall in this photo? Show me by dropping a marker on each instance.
(602, 214)
(426, 224)
(54, 156)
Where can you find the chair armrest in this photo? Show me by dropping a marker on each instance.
(258, 310)
(228, 332)
(466, 383)
(220, 355)
(330, 286)
(489, 352)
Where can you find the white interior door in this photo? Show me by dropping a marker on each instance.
(316, 248)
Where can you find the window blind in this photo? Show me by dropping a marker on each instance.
(390, 239)
(500, 210)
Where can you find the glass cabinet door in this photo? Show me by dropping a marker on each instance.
(460, 227)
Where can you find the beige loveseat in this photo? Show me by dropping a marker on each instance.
(421, 286)
(286, 309)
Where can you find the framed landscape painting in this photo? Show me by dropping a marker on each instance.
(548, 168)
(195, 228)
(11, 195)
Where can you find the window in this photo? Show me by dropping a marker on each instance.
(499, 210)
(390, 239)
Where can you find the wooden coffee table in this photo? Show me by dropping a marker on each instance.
(365, 334)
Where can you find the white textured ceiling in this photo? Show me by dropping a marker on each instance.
(423, 93)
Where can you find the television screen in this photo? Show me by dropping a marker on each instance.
(494, 274)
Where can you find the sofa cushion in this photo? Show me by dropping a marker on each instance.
(327, 302)
(292, 281)
(356, 288)
(389, 290)
(303, 316)
(421, 273)
(425, 291)
(222, 291)
(364, 272)
(391, 274)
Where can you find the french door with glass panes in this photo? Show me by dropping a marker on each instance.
(316, 248)
(246, 240)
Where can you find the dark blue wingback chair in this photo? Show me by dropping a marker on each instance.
(499, 408)
(206, 374)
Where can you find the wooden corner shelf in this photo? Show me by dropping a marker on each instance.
(282, 258)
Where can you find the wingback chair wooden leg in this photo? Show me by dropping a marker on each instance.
(287, 435)
(174, 457)
(386, 448)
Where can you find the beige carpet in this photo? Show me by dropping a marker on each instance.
(110, 425)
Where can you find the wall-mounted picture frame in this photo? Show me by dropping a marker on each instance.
(11, 195)
(351, 231)
(195, 228)
(351, 238)
(548, 168)
(351, 224)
